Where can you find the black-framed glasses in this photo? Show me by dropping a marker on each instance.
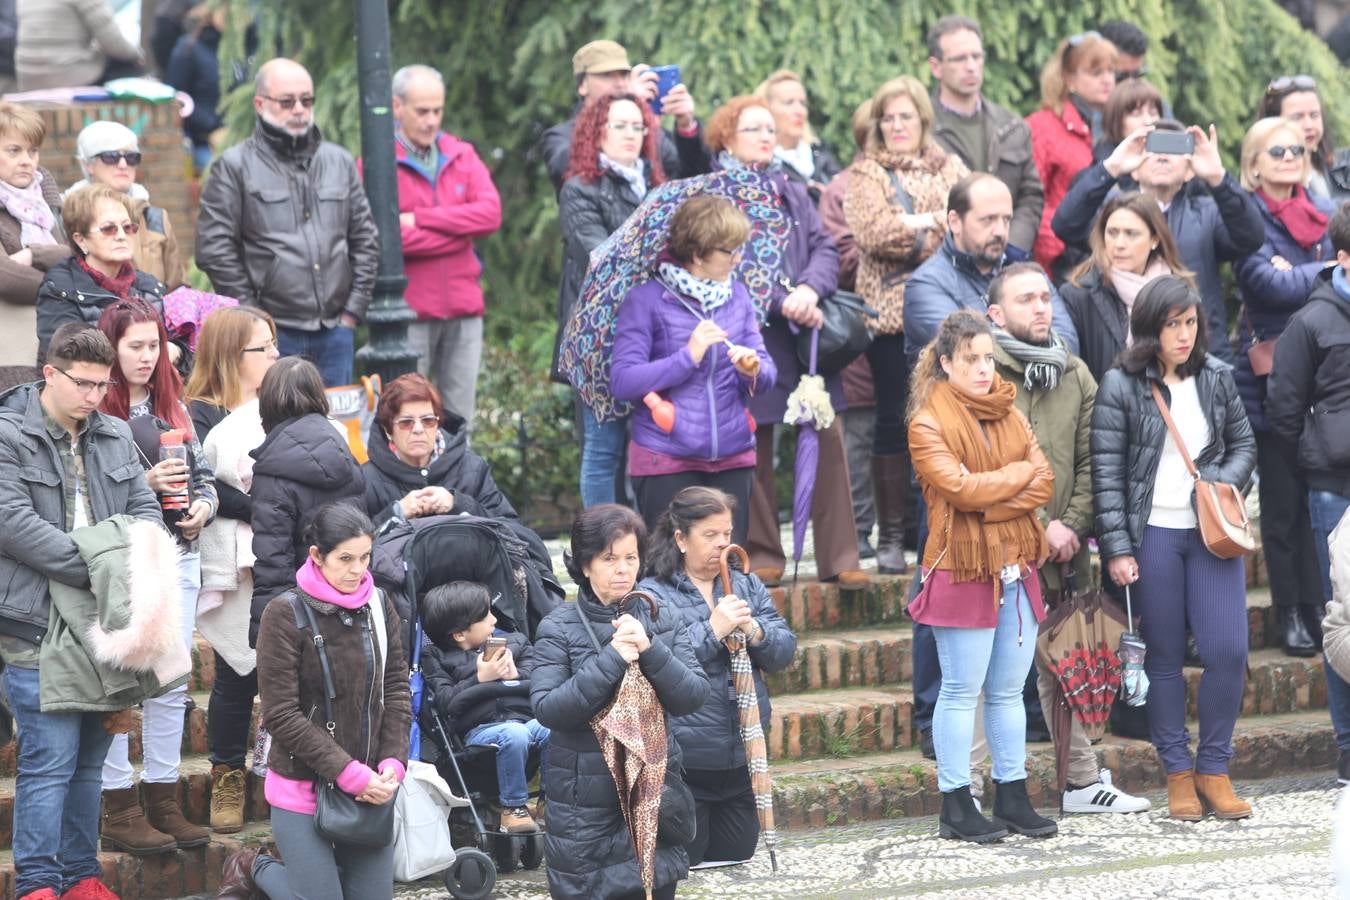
(267, 347)
(84, 386)
(110, 229)
(112, 157)
(408, 423)
(289, 102)
(1291, 83)
(1294, 150)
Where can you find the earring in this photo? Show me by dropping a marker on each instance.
(682, 551)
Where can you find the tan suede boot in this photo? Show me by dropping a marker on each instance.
(125, 827)
(1182, 802)
(164, 813)
(1217, 792)
(227, 799)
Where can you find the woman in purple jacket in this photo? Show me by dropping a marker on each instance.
(689, 345)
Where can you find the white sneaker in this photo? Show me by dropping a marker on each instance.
(1102, 797)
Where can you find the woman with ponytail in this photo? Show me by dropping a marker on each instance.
(983, 477)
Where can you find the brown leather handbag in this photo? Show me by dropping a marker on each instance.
(1219, 507)
(1261, 354)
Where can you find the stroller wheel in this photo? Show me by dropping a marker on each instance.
(533, 852)
(508, 852)
(471, 876)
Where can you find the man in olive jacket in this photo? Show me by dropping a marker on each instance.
(285, 225)
(63, 465)
(987, 137)
(1055, 391)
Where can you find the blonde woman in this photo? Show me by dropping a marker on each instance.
(804, 156)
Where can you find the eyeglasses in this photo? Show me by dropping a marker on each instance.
(631, 127)
(1292, 83)
(1122, 76)
(733, 253)
(1294, 150)
(87, 387)
(408, 423)
(288, 102)
(110, 229)
(899, 119)
(768, 130)
(111, 157)
(270, 345)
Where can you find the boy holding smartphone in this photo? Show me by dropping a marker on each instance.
(478, 678)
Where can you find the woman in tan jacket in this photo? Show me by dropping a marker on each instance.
(896, 205)
(983, 476)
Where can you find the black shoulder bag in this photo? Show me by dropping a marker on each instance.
(677, 822)
(338, 816)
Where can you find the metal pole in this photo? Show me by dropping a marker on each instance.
(388, 353)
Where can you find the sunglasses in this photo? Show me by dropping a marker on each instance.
(307, 101)
(1292, 83)
(1294, 150)
(112, 157)
(407, 423)
(110, 229)
(1140, 72)
(87, 387)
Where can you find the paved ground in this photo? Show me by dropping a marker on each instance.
(1282, 852)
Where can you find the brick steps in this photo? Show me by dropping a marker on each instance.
(902, 784)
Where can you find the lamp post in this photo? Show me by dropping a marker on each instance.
(388, 353)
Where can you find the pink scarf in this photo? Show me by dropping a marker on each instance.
(1128, 285)
(310, 580)
(30, 209)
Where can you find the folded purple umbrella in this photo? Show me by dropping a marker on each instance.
(808, 408)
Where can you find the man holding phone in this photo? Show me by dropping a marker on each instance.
(603, 66)
(1212, 218)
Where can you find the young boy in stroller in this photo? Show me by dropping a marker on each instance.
(478, 681)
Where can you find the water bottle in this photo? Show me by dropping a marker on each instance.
(172, 446)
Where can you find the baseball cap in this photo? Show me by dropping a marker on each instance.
(600, 56)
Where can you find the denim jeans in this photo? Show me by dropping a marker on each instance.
(331, 349)
(995, 660)
(57, 795)
(513, 741)
(1325, 509)
(601, 457)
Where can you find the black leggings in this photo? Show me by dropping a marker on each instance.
(890, 378)
(728, 826)
(228, 714)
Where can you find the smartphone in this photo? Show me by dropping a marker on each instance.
(666, 78)
(493, 648)
(1175, 143)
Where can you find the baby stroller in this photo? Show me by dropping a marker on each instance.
(410, 558)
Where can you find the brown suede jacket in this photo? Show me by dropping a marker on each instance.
(372, 720)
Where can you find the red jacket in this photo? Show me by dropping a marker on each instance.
(438, 252)
(1061, 147)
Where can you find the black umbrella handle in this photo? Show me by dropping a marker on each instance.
(1068, 579)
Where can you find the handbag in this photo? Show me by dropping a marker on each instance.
(844, 334)
(1219, 506)
(338, 816)
(1261, 354)
(422, 843)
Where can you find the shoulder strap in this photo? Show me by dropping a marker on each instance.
(901, 194)
(154, 219)
(301, 609)
(590, 630)
(1172, 427)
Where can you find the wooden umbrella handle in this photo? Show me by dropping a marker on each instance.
(739, 551)
(629, 598)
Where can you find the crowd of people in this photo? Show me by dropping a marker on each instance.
(1050, 362)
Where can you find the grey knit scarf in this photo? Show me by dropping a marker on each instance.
(1044, 364)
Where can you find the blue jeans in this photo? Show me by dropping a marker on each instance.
(331, 349)
(57, 795)
(513, 741)
(601, 457)
(994, 660)
(1325, 509)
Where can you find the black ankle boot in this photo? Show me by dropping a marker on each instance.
(1311, 614)
(1294, 637)
(1013, 810)
(962, 819)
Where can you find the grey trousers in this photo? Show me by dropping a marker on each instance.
(315, 869)
(858, 427)
(449, 352)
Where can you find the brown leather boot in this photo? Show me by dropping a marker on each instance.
(164, 813)
(1217, 792)
(227, 799)
(890, 486)
(236, 878)
(1182, 803)
(125, 827)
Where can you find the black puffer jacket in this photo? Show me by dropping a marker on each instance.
(590, 853)
(303, 464)
(1128, 433)
(710, 738)
(1100, 319)
(69, 294)
(458, 469)
(1308, 392)
(452, 683)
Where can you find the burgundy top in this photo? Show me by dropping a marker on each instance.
(644, 462)
(970, 604)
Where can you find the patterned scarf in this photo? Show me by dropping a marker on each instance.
(29, 207)
(1044, 362)
(633, 174)
(119, 284)
(727, 162)
(679, 280)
